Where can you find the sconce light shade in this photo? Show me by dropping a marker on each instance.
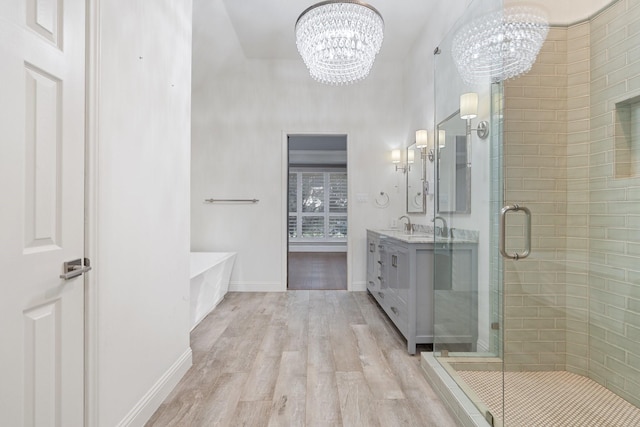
(442, 134)
(411, 156)
(469, 110)
(395, 156)
(468, 106)
(422, 138)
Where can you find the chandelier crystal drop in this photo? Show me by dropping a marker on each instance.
(499, 46)
(339, 40)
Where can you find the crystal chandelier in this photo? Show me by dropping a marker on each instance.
(339, 40)
(499, 46)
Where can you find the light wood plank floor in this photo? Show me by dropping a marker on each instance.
(301, 358)
(317, 270)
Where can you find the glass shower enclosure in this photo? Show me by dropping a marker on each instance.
(537, 272)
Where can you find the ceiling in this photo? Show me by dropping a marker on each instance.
(265, 28)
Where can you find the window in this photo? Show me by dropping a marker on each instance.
(317, 206)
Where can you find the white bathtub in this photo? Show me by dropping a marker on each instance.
(210, 274)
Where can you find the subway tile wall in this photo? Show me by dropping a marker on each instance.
(614, 203)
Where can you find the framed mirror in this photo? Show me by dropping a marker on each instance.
(416, 199)
(453, 180)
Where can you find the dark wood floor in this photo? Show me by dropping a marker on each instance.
(301, 358)
(317, 270)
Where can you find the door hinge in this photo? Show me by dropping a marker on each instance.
(495, 326)
(489, 418)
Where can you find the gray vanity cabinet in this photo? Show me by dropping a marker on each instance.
(400, 276)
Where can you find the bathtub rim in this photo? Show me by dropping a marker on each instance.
(202, 267)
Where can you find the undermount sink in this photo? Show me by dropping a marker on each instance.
(415, 236)
(429, 236)
(420, 236)
(406, 234)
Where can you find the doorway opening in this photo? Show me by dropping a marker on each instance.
(317, 212)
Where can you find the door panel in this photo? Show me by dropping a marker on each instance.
(43, 17)
(42, 217)
(42, 220)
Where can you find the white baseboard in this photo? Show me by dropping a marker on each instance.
(358, 286)
(152, 400)
(256, 287)
(313, 248)
(277, 287)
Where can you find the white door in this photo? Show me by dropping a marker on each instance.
(42, 46)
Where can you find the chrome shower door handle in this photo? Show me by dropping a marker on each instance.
(527, 233)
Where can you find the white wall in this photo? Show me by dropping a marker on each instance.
(419, 84)
(242, 110)
(140, 248)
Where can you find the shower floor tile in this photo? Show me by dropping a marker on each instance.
(556, 399)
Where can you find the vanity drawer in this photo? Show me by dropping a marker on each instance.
(373, 285)
(402, 312)
(398, 315)
(382, 297)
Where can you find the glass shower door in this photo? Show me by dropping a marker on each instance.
(467, 272)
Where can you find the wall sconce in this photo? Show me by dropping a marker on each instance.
(469, 111)
(425, 144)
(396, 158)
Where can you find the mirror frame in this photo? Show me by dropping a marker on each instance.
(418, 154)
(438, 166)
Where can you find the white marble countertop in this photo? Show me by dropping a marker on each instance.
(421, 237)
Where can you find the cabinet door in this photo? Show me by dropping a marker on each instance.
(403, 279)
(456, 295)
(399, 282)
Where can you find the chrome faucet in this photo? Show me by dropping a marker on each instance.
(444, 231)
(408, 228)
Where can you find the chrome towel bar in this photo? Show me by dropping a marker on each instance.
(231, 200)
